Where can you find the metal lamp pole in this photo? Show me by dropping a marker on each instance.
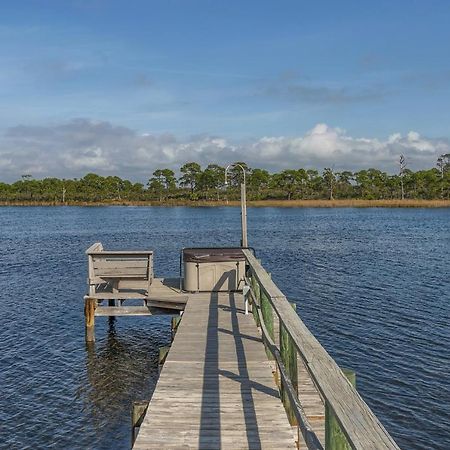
(244, 242)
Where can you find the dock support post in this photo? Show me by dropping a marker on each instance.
(137, 416)
(334, 437)
(174, 325)
(111, 319)
(89, 313)
(163, 352)
(289, 356)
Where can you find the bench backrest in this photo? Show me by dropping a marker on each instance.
(105, 266)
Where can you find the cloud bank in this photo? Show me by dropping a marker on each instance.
(74, 148)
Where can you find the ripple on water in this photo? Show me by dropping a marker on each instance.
(371, 284)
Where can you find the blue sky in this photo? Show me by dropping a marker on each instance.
(238, 71)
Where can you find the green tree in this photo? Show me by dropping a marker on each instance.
(287, 181)
(329, 179)
(344, 186)
(194, 183)
(314, 184)
(93, 187)
(443, 165)
(258, 181)
(191, 173)
(163, 183)
(212, 179)
(156, 187)
(372, 184)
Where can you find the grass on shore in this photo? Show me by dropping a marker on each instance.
(344, 203)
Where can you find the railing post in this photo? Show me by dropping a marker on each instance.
(288, 353)
(334, 437)
(267, 314)
(256, 292)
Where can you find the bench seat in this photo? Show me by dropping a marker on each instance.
(119, 274)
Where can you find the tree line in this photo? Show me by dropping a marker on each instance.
(196, 183)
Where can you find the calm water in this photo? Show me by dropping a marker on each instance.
(372, 284)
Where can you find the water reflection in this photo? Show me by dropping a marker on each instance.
(370, 284)
(117, 369)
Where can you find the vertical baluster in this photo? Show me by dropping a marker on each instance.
(267, 314)
(289, 357)
(256, 292)
(334, 437)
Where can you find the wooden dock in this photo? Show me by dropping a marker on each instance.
(216, 389)
(233, 380)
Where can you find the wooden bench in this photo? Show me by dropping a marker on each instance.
(119, 274)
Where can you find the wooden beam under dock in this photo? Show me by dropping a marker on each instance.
(117, 311)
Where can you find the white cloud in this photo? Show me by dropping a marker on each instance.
(74, 148)
(90, 159)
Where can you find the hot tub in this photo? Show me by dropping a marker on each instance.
(213, 269)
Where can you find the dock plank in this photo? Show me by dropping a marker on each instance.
(216, 389)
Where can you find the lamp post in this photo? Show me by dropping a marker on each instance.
(244, 242)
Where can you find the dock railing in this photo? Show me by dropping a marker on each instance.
(350, 422)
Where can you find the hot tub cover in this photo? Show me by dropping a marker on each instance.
(199, 255)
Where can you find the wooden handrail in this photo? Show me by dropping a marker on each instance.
(359, 424)
(308, 434)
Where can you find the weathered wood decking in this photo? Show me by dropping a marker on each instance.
(226, 373)
(216, 389)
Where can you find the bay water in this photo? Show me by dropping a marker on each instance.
(372, 284)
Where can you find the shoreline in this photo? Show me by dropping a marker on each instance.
(340, 203)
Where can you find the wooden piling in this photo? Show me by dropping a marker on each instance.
(111, 319)
(90, 304)
(334, 437)
(288, 353)
(163, 352)
(174, 325)
(138, 411)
